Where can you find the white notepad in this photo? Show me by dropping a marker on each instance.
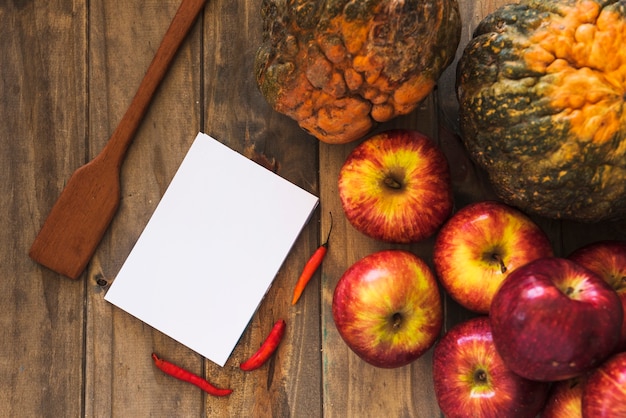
(212, 248)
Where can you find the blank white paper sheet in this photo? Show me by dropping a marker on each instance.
(211, 249)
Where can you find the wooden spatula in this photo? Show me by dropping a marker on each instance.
(83, 212)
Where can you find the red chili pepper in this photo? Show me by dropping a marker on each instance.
(267, 348)
(189, 377)
(311, 266)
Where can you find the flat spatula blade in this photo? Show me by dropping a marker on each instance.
(78, 220)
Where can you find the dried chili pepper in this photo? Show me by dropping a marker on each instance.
(189, 377)
(267, 348)
(311, 266)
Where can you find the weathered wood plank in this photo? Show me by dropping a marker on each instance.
(42, 140)
(120, 377)
(351, 386)
(237, 114)
(68, 73)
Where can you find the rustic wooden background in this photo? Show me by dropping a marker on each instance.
(69, 69)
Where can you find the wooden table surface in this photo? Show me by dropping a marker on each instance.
(69, 70)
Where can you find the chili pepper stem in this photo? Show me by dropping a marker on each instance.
(330, 229)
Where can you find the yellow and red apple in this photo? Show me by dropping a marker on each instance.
(395, 187)
(387, 308)
(480, 245)
(471, 379)
(604, 393)
(565, 399)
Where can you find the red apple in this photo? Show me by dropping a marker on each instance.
(387, 308)
(608, 260)
(553, 319)
(396, 187)
(604, 394)
(565, 399)
(479, 246)
(472, 380)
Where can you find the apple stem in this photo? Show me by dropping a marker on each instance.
(392, 183)
(397, 320)
(480, 376)
(497, 258)
(573, 383)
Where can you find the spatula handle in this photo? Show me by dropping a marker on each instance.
(123, 135)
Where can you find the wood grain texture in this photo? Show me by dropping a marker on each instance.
(236, 114)
(43, 95)
(120, 376)
(69, 71)
(82, 213)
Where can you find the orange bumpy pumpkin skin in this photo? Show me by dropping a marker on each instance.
(338, 67)
(541, 88)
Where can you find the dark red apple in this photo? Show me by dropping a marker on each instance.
(553, 319)
(395, 186)
(387, 308)
(604, 394)
(565, 399)
(472, 380)
(608, 260)
(480, 245)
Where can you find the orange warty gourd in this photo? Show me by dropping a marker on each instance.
(338, 67)
(541, 88)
